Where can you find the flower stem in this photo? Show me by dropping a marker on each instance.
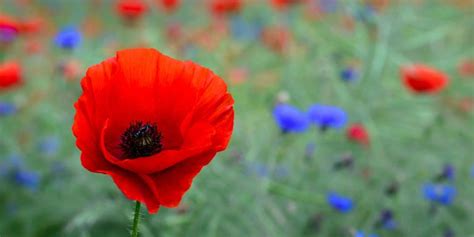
(136, 218)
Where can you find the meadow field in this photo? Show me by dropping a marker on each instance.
(330, 137)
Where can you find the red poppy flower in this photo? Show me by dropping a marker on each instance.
(169, 5)
(70, 69)
(466, 67)
(276, 38)
(151, 122)
(10, 74)
(423, 79)
(283, 4)
(131, 9)
(7, 22)
(31, 26)
(222, 7)
(33, 46)
(357, 133)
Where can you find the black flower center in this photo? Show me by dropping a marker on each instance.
(140, 140)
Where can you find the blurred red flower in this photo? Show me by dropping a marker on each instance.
(420, 78)
(31, 26)
(466, 67)
(276, 38)
(131, 9)
(151, 122)
(465, 104)
(174, 32)
(378, 5)
(10, 74)
(238, 76)
(223, 7)
(33, 46)
(70, 69)
(8, 22)
(169, 5)
(283, 4)
(357, 133)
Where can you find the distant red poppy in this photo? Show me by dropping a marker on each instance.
(9, 30)
(276, 38)
(423, 79)
(10, 74)
(466, 67)
(174, 32)
(31, 26)
(8, 22)
(238, 76)
(223, 7)
(70, 69)
(284, 4)
(151, 122)
(357, 133)
(169, 5)
(378, 5)
(131, 9)
(33, 46)
(465, 104)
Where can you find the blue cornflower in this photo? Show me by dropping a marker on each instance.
(15, 172)
(439, 193)
(25, 178)
(360, 233)
(7, 109)
(338, 202)
(327, 116)
(290, 118)
(349, 74)
(68, 38)
(472, 171)
(242, 29)
(49, 146)
(386, 220)
(447, 173)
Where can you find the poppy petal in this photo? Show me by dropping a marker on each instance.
(171, 184)
(134, 188)
(192, 147)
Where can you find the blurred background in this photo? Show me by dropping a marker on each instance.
(329, 138)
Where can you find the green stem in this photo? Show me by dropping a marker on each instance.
(136, 218)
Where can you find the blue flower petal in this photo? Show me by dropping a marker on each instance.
(326, 116)
(340, 203)
(68, 38)
(290, 119)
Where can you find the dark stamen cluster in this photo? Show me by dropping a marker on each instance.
(140, 140)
